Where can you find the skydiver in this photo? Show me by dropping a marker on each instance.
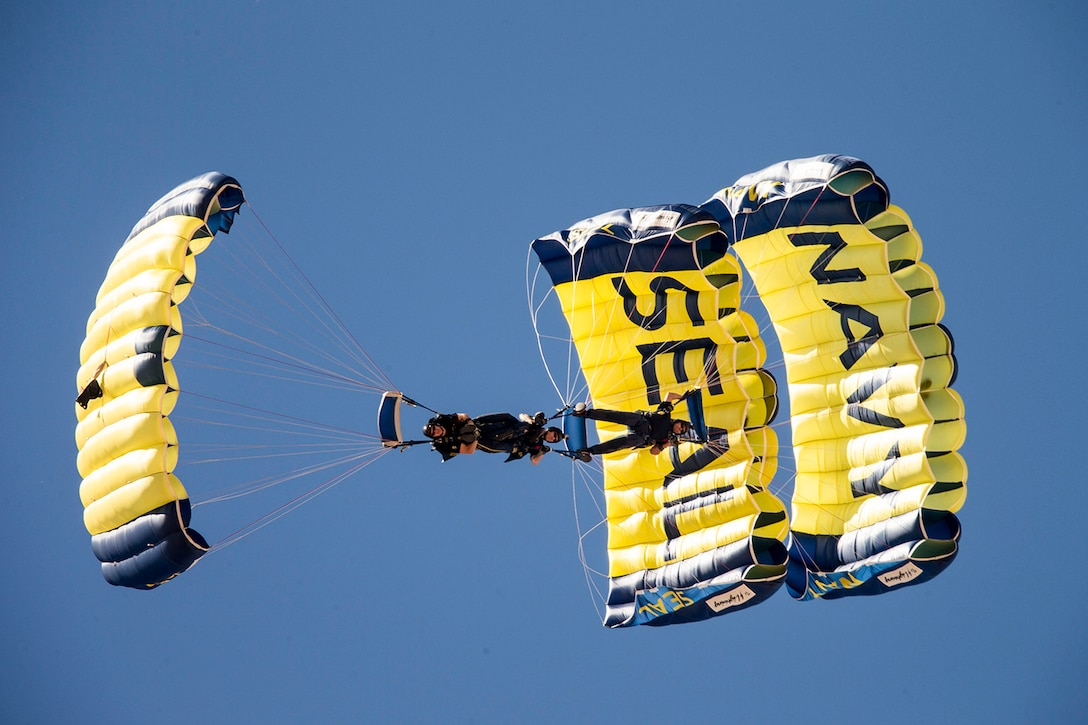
(655, 430)
(518, 437)
(452, 434)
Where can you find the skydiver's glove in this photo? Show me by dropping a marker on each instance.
(540, 419)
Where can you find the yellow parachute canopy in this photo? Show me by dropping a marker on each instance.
(653, 302)
(876, 427)
(135, 508)
(693, 532)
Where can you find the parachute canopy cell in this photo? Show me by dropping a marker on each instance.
(135, 508)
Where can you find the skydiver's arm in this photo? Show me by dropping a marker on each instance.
(657, 448)
(467, 430)
(672, 399)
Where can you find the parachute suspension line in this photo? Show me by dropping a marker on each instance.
(275, 354)
(600, 520)
(298, 501)
(595, 494)
(575, 387)
(287, 334)
(291, 364)
(532, 280)
(540, 337)
(343, 329)
(237, 307)
(262, 360)
(268, 482)
(278, 436)
(664, 249)
(293, 423)
(384, 380)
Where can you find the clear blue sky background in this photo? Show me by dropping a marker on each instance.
(404, 151)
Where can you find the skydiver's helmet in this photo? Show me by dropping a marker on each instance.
(431, 429)
(556, 433)
(683, 426)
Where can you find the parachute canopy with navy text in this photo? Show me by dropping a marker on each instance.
(876, 426)
(656, 303)
(653, 306)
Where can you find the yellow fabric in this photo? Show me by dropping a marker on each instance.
(127, 445)
(132, 500)
(864, 401)
(125, 468)
(151, 262)
(736, 397)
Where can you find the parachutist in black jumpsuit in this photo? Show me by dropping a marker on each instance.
(655, 430)
(503, 433)
(451, 434)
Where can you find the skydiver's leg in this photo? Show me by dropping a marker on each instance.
(631, 440)
(499, 431)
(635, 437)
(621, 417)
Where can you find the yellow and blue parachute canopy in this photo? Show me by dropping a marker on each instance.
(652, 302)
(876, 425)
(136, 510)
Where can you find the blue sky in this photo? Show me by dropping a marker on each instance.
(407, 155)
